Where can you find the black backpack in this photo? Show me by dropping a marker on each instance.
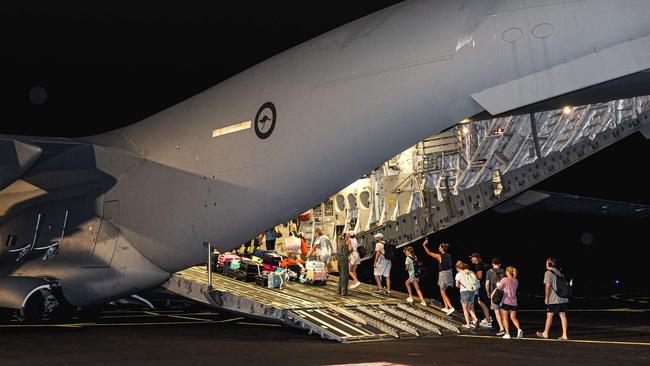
(362, 251)
(389, 251)
(498, 276)
(417, 268)
(563, 285)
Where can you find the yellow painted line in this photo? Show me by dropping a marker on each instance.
(188, 318)
(586, 341)
(260, 324)
(177, 316)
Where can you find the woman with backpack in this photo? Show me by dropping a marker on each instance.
(382, 264)
(509, 286)
(413, 271)
(467, 282)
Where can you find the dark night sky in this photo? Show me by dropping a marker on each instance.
(104, 66)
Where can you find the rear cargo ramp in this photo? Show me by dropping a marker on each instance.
(361, 317)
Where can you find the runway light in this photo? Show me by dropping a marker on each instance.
(617, 282)
(567, 110)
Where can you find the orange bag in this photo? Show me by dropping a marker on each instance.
(303, 246)
(287, 262)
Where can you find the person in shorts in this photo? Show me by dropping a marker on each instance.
(413, 279)
(465, 283)
(493, 276)
(355, 258)
(445, 275)
(481, 298)
(509, 285)
(382, 265)
(554, 303)
(322, 247)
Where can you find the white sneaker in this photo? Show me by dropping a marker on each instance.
(467, 326)
(520, 334)
(423, 303)
(409, 300)
(450, 311)
(356, 285)
(485, 324)
(506, 336)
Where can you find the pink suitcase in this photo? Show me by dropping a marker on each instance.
(223, 258)
(269, 268)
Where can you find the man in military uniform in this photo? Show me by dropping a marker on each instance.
(343, 253)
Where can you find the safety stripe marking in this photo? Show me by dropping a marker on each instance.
(568, 341)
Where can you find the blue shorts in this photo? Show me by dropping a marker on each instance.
(467, 297)
(413, 278)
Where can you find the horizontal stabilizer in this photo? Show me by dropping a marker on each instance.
(566, 203)
(16, 158)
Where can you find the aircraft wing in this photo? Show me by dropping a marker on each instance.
(562, 202)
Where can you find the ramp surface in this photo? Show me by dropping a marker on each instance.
(364, 315)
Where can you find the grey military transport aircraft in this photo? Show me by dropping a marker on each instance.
(90, 220)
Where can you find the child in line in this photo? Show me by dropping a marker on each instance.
(413, 279)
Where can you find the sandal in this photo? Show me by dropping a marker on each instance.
(541, 335)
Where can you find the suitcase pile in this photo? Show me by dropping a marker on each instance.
(223, 261)
(315, 273)
(247, 270)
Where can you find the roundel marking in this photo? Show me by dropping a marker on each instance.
(265, 120)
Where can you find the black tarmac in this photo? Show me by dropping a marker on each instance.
(199, 336)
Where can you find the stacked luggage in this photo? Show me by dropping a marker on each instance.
(315, 273)
(224, 262)
(269, 269)
(248, 270)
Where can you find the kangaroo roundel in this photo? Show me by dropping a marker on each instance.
(265, 120)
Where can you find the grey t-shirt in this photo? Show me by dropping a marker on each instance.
(491, 278)
(551, 277)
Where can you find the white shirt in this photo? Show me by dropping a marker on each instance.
(354, 243)
(379, 247)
